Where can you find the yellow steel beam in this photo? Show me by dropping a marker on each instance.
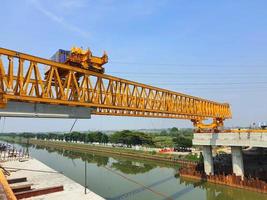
(108, 94)
(7, 189)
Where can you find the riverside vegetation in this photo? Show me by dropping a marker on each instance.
(172, 137)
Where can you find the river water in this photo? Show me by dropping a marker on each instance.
(118, 178)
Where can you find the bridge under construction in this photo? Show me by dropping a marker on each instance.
(31, 86)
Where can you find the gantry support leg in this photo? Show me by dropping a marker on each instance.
(216, 123)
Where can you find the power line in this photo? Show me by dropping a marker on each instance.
(198, 75)
(73, 125)
(186, 65)
(223, 87)
(208, 83)
(188, 73)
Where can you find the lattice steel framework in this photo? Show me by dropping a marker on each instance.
(22, 79)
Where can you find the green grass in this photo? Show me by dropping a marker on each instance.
(163, 141)
(192, 157)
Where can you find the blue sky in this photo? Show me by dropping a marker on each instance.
(213, 49)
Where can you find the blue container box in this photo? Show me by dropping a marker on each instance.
(60, 56)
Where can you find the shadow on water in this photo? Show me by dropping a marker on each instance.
(140, 189)
(180, 193)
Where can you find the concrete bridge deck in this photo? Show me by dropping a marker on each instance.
(251, 139)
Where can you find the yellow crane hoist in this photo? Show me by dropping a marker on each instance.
(78, 57)
(84, 59)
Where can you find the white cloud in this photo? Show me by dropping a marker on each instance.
(59, 19)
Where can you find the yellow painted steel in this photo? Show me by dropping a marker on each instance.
(85, 59)
(8, 191)
(21, 79)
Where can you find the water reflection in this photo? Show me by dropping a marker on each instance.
(122, 165)
(132, 167)
(219, 192)
(90, 158)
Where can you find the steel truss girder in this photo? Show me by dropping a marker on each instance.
(21, 80)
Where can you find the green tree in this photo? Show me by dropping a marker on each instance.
(60, 137)
(174, 130)
(89, 138)
(163, 133)
(52, 136)
(76, 136)
(41, 136)
(96, 137)
(67, 137)
(181, 141)
(131, 138)
(104, 139)
(28, 135)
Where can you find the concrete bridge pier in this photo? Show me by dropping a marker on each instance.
(237, 160)
(236, 140)
(208, 160)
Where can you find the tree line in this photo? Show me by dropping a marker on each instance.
(180, 138)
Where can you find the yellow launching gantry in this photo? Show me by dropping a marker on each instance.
(77, 79)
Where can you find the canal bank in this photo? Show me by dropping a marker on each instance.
(114, 151)
(40, 176)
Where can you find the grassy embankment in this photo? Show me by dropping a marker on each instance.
(107, 150)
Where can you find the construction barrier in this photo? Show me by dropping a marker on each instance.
(253, 184)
